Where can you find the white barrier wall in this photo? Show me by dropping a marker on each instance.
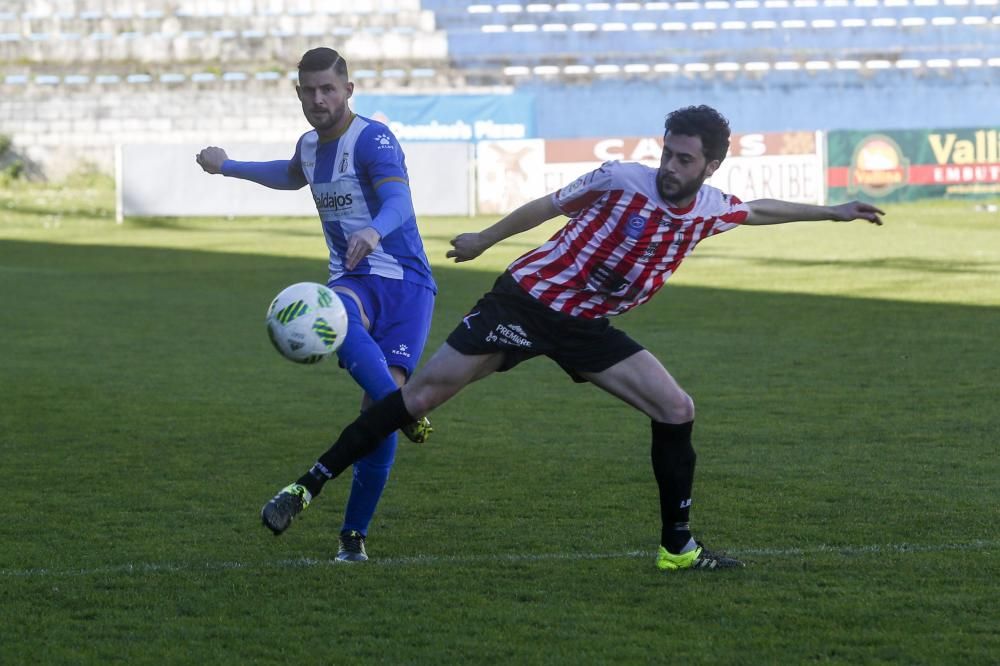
(163, 180)
(442, 177)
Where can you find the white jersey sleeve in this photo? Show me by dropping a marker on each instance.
(585, 190)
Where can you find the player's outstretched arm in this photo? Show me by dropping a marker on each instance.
(278, 175)
(530, 215)
(774, 211)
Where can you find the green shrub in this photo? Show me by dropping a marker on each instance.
(11, 166)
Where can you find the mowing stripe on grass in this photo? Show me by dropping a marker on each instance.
(434, 560)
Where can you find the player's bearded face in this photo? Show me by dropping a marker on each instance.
(324, 96)
(677, 190)
(683, 168)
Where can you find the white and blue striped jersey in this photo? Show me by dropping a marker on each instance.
(343, 175)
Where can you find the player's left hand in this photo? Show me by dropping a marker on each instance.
(466, 247)
(857, 210)
(359, 245)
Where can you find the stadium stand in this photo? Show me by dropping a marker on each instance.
(492, 44)
(715, 31)
(784, 64)
(185, 38)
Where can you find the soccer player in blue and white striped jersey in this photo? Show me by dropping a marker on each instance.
(357, 173)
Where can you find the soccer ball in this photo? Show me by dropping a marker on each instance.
(306, 322)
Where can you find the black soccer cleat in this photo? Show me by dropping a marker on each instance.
(278, 513)
(352, 547)
(698, 558)
(418, 431)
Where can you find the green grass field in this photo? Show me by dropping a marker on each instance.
(846, 382)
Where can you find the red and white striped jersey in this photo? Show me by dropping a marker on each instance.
(621, 243)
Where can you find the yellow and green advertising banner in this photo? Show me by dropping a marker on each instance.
(902, 165)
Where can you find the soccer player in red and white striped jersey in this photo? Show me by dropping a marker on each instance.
(623, 241)
(630, 227)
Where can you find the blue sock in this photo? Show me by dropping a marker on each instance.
(370, 476)
(366, 363)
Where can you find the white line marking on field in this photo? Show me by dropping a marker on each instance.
(435, 560)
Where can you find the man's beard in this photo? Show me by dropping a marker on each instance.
(323, 121)
(684, 190)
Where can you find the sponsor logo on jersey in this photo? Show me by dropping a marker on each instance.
(401, 350)
(333, 201)
(384, 142)
(649, 252)
(571, 188)
(605, 280)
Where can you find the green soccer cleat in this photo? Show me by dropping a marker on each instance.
(698, 558)
(352, 547)
(277, 514)
(418, 431)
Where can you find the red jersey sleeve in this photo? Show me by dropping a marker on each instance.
(729, 213)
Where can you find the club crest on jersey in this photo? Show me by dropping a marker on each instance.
(344, 161)
(635, 226)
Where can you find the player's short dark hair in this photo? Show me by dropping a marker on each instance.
(705, 123)
(323, 58)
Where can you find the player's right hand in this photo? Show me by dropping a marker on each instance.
(210, 159)
(466, 247)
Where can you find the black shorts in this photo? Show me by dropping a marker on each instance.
(508, 320)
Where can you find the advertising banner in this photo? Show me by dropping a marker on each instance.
(774, 165)
(782, 165)
(903, 165)
(568, 159)
(451, 117)
(508, 174)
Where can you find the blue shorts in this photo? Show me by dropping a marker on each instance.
(399, 314)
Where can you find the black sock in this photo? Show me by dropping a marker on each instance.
(673, 465)
(358, 440)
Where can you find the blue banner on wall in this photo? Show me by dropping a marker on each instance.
(451, 117)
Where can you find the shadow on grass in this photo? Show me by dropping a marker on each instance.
(120, 350)
(909, 264)
(243, 225)
(193, 321)
(683, 324)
